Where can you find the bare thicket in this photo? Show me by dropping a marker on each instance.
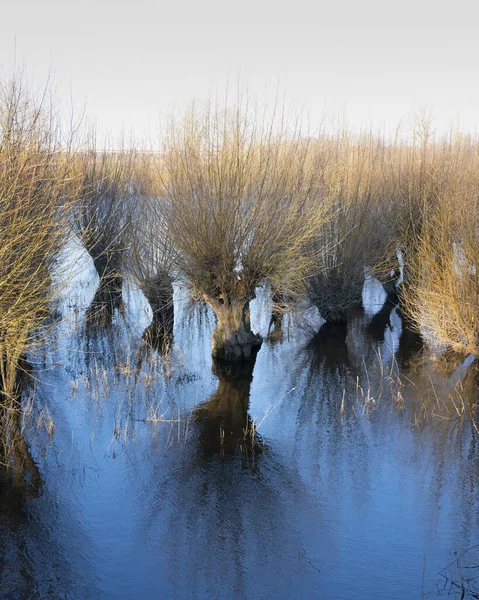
(380, 191)
(36, 184)
(243, 204)
(101, 218)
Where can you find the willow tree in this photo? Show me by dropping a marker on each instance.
(242, 205)
(35, 186)
(101, 218)
(442, 298)
(357, 231)
(150, 263)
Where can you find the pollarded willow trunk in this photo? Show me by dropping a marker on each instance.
(275, 329)
(411, 343)
(335, 293)
(13, 364)
(233, 339)
(159, 293)
(381, 321)
(108, 296)
(390, 284)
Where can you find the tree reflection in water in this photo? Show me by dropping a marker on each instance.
(20, 481)
(228, 504)
(19, 475)
(225, 426)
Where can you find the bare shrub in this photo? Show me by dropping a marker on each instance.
(418, 170)
(243, 205)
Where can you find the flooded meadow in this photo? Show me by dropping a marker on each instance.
(341, 463)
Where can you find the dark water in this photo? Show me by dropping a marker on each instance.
(315, 475)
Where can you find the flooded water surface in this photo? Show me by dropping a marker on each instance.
(342, 464)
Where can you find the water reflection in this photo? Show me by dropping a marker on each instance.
(224, 422)
(221, 522)
(20, 481)
(328, 348)
(20, 478)
(329, 432)
(338, 491)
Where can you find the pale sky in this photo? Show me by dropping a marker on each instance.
(132, 61)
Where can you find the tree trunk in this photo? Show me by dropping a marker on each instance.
(277, 316)
(233, 339)
(411, 343)
(108, 296)
(391, 283)
(376, 329)
(159, 293)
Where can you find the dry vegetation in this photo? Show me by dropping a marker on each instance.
(351, 239)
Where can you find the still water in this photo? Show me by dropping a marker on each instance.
(316, 474)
